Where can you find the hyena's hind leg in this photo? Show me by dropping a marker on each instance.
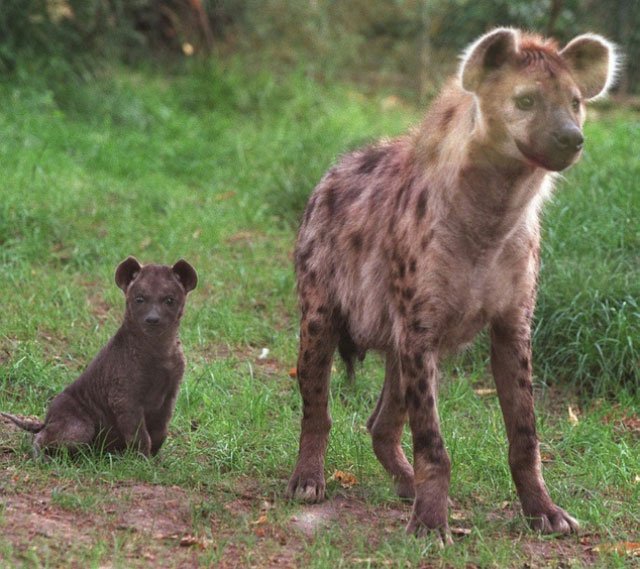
(71, 433)
(386, 425)
(318, 341)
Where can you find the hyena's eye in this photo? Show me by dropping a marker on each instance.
(525, 102)
(139, 299)
(575, 104)
(169, 300)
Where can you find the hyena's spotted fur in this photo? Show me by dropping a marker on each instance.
(413, 245)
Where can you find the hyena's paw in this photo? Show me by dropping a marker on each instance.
(554, 520)
(426, 519)
(306, 485)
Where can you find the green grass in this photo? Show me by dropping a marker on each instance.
(214, 165)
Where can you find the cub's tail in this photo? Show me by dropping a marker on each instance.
(30, 425)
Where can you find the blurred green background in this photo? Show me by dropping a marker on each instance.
(407, 44)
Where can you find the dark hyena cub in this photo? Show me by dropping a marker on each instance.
(413, 245)
(125, 397)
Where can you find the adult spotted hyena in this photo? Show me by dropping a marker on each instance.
(411, 246)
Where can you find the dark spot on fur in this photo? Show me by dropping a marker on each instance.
(524, 383)
(304, 256)
(421, 205)
(418, 360)
(422, 384)
(306, 355)
(413, 265)
(322, 309)
(331, 200)
(314, 327)
(401, 269)
(429, 401)
(525, 430)
(312, 277)
(412, 399)
(447, 116)
(524, 363)
(430, 445)
(408, 293)
(426, 239)
(324, 362)
(356, 241)
(370, 159)
(402, 309)
(318, 390)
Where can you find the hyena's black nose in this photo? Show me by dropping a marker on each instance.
(569, 139)
(152, 319)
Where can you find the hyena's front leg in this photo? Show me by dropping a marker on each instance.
(386, 425)
(431, 463)
(511, 366)
(318, 341)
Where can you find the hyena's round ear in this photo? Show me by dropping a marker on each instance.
(488, 53)
(126, 272)
(186, 275)
(593, 62)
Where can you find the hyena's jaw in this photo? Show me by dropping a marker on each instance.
(551, 162)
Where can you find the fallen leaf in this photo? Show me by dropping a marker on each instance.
(573, 415)
(260, 521)
(345, 479)
(264, 354)
(636, 480)
(484, 391)
(196, 234)
(621, 548)
(188, 540)
(293, 372)
(631, 423)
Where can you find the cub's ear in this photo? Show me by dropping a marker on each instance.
(593, 62)
(186, 275)
(486, 54)
(126, 272)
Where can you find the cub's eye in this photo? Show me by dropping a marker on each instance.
(575, 105)
(525, 102)
(139, 299)
(169, 300)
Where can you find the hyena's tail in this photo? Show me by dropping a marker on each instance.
(30, 425)
(349, 351)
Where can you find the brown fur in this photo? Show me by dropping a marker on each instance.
(125, 397)
(413, 245)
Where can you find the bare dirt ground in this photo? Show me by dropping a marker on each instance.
(59, 522)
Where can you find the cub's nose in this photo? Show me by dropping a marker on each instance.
(152, 319)
(569, 139)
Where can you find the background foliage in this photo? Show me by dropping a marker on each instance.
(403, 43)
